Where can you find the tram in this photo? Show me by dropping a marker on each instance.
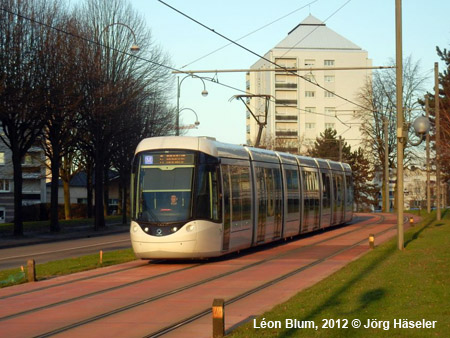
(195, 197)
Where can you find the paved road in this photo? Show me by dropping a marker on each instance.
(41, 253)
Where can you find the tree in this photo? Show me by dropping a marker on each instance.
(379, 96)
(22, 112)
(62, 97)
(444, 112)
(115, 81)
(327, 146)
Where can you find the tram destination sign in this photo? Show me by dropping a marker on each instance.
(168, 159)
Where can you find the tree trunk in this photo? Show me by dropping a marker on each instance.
(89, 187)
(124, 203)
(18, 182)
(54, 222)
(99, 164)
(67, 208)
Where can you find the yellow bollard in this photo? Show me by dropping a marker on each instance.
(218, 313)
(101, 256)
(31, 270)
(372, 241)
(411, 221)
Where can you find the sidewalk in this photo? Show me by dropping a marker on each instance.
(66, 233)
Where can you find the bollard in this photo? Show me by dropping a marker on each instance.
(411, 221)
(372, 241)
(31, 267)
(101, 256)
(218, 312)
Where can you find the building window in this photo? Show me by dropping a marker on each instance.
(329, 78)
(310, 93)
(2, 158)
(329, 125)
(329, 94)
(328, 63)
(310, 62)
(310, 125)
(4, 186)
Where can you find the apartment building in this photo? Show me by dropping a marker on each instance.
(306, 96)
(33, 174)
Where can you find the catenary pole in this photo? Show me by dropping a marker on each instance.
(400, 122)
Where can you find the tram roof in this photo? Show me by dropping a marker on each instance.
(204, 144)
(262, 155)
(306, 161)
(323, 164)
(335, 165)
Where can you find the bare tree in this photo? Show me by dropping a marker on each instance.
(22, 112)
(116, 80)
(379, 95)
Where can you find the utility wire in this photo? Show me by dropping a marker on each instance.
(260, 56)
(139, 57)
(332, 14)
(246, 35)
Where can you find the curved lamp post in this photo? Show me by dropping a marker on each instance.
(196, 123)
(204, 94)
(134, 47)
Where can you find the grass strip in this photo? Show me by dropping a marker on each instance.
(383, 285)
(66, 266)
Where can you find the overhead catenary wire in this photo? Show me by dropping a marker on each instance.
(248, 34)
(262, 57)
(174, 70)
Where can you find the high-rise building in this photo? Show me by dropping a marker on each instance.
(308, 98)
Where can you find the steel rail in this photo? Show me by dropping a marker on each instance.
(198, 283)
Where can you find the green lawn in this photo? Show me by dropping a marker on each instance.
(383, 285)
(66, 266)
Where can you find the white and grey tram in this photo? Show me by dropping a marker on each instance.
(194, 197)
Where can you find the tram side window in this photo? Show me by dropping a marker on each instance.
(312, 196)
(326, 190)
(349, 194)
(240, 192)
(292, 185)
(207, 200)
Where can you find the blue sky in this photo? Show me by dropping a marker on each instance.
(369, 24)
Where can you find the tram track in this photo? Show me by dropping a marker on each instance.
(198, 283)
(263, 286)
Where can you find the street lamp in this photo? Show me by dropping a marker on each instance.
(204, 94)
(196, 123)
(134, 47)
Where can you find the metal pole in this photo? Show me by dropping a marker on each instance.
(428, 160)
(400, 122)
(340, 148)
(386, 165)
(438, 140)
(177, 119)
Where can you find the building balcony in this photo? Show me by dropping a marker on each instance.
(286, 102)
(286, 133)
(286, 85)
(286, 117)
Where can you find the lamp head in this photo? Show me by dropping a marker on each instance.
(204, 93)
(135, 48)
(421, 126)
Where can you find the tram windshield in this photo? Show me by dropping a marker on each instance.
(163, 187)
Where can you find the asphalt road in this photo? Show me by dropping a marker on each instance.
(41, 253)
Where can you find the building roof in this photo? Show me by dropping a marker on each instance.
(312, 33)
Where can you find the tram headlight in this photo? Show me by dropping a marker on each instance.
(190, 228)
(135, 228)
(146, 229)
(174, 229)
